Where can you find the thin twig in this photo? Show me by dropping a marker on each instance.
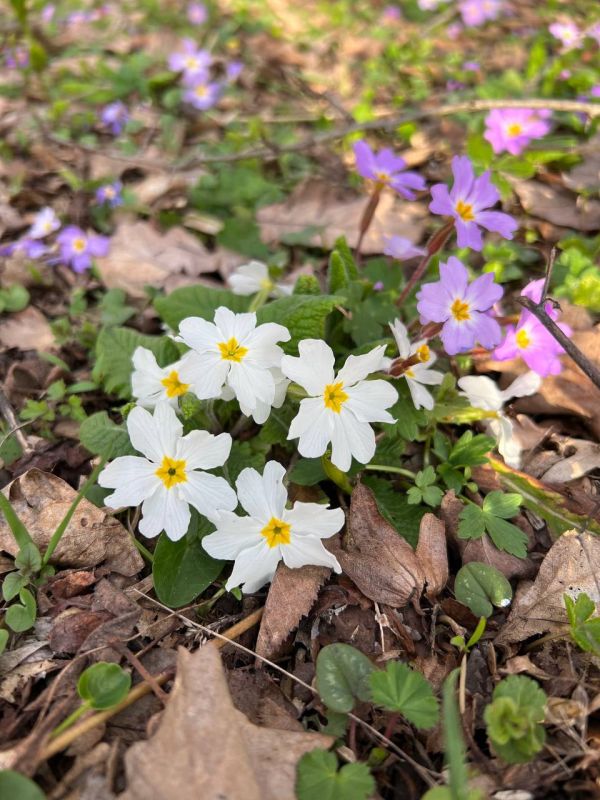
(13, 423)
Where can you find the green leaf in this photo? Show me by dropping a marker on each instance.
(18, 529)
(343, 676)
(471, 450)
(506, 536)
(15, 298)
(579, 610)
(394, 506)
(183, 570)
(480, 587)
(21, 616)
(3, 639)
(514, 717)
(29, 559)
(318, 778)
(303, 315)
(402, 690)
(307, 472)
(14, 786)
(502, 504)
(103, 437)
(585, 632)
(114, 351)
(480, 150)
(12, 585)
(242, 455)
(342, 267)
(454, 743)
(196, 301)
(103, 685)
(307, 284)
(471, 522)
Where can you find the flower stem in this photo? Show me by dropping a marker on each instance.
(367, 218)
(396, 470)
(437, 241)
(68, 721)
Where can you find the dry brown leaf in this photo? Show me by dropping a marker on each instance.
(205, 748)
(141, 256)
(155, 186)
(558, 206)
(585, 177)
(571, 566)
(335, 212)
(432, 554)
(576, 457)
(41, 500)
(291, 597)
(27, 330)
(379, 561)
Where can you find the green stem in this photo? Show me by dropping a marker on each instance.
(396, 470)
(143, 550)
(58, 533)
(18, 529)
(73, 717)
(259, 299)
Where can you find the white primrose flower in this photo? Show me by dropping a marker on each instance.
(271, 531)
(233, 352)
(44, 223)
(254, 277)
(416, 374)
(340, 407)
(483, 393)
(261, 413)
(152, 384)
(169, 478)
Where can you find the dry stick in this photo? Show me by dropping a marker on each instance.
(423, 771)
(13, 423)
(142, 689)
(578, 357)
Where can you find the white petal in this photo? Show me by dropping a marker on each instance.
(314, 519)
(233, 535)
(420, 396)
(250, 383)
(313, 368)
(262, 342)
(202, 450)
(481, 392)
(165, 510)
(167, 427)
(357, 368)
(133, 477)
(401, 336)
(199, 334)
(313, 427)
(508, 445)
(208, 493)
(429, 376)
(143, 435)
(206, 373)
(262, 496)
(369, 399)
(308, 550)
(254, 567)
(248, 279)
(240, 326)
(359, 435)
(523, 386)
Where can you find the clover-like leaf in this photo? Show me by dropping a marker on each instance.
(343, 676)
(405, 691)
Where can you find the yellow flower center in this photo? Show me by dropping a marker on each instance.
(173, 385)
(201, 90)
(232, 350)
(335, 396)
(465, 211)
(382, 177)
(423, 353)
(79, 245)
(171, 472)
(47, 227)
(523, 339)
(515, 129)
(191, 62)
(109, 192)
(276, 532)
(460, 310)
(266, 283)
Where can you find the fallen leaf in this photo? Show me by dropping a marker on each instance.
(205, 748)
(585, 176)
(432, 554)
(156, 186)
(377, 559)
(571, 567)
(291, 596)
(27, 330)
(41, 500)
(576, 457)
(518, 665)
(327, 212)
(558, 206)
(140, 256)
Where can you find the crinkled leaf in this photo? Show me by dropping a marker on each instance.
(303, 315)
(343, 676)
(103, 437)
(196, 301)
(513, 719)
(402, 690)
(480, 587)
(318, 778)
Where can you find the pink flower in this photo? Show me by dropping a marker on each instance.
(201, 93)
(512, 129)
(190, 59)
(467, 202)
(530, 341)
(78, 248)
(476, 12)
(197, 13)
(401, 249)
(387, 169)
(461, 307)
(567, 33)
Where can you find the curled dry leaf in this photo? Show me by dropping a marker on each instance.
(291, 597)
(27, 330)
(41, 500)
(327, 212)
(379, 561)
(432, 554)
(571, 566)
(205, 748)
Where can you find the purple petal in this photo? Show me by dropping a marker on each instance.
(508, 349)
(387, 161)
(462, 169)
(365, 160)
(487, 330)
(484, 194)
(441, 202)
(484, 292)
(433, 302)
(454, 277)
(468, 235)
(498, 222)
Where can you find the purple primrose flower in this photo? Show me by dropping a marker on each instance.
(512, 129)
(233, 70)
(115, 116)
(387, 169)
(467, 202)
(401, 249)
(567, 33)
(110, 194)
(197, 13)
(45, 222)
(77, 248)
(190, 59)
(201, 92)
(461, 307)
(476, 12)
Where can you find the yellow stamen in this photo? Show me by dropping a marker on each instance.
(173, 385)
(460, 310)
(266, 283)
(191, 62)
(232, 350)
(409, 373)
(171, 472)
(335, 396)
(382, 177)
(424, 353)
(465, 211)
(109, 192)
(201, 90)
(276, 532)
(79, 245)
(515, 129)
(523, 339)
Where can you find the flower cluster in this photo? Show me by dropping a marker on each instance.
(194, 65)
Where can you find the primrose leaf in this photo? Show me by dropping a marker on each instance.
(15, 786)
